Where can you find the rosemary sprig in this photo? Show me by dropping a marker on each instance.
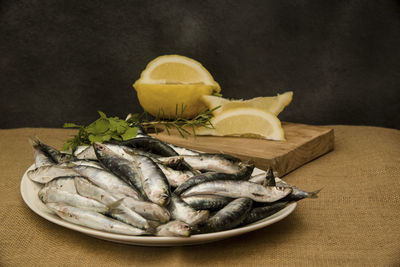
(179, 122)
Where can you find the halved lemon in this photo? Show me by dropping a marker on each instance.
(171, 82)
(273, 104)
(246, 122)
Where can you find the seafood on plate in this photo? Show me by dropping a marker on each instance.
(145, 186)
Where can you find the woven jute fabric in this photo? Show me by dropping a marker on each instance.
(354, 222)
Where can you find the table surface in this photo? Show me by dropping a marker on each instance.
(354, 222)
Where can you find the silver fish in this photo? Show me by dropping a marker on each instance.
(146, 209)
(47, 173)
(297, 194)
(230, 216)
(117, 163)
(175, 177)
(173, 228)
(142, 171)
(236, 189)
(150, 144)
(93, 220)
(54, 195)
(157, 148)
(215, 163)
(106, 180)
(41, 158)
(87, 189)
(124, 214)
(259, 213)
(202, 178)
(127, 152)
(116, 207)
(181, 211)
(54, 154)
(207, 202)
(154, 182)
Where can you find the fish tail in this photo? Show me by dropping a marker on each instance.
(314, 194)
(35, 142)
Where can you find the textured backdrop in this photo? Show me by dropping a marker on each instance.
(64, 60)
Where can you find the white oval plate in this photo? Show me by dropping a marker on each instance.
(30, 189)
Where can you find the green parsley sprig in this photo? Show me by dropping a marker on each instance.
(102, 129)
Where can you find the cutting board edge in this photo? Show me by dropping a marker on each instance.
(283, 169)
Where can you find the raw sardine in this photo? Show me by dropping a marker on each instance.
(53, 153)
(215, 163)
(230, 216)
(259, 213)
(106, 180)
(54, 195)
(202, 178)
(236, 189)
(181, 211)
(93, 220)
(47, 173)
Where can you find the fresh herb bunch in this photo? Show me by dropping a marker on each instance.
(102, 129)
(105, 129)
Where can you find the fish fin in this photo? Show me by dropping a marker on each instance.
(270, 178)
(113, 207)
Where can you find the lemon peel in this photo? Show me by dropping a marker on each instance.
(273, 104)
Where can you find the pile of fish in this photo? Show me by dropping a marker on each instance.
(144, 186)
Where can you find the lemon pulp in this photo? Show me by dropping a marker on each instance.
(245, 121)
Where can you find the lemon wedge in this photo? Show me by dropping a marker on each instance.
(273, 104)
(172, 82)
(245, 122)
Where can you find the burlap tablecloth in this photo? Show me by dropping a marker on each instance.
(354, 222)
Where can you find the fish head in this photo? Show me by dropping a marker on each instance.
(282, 191)
(183, 229)
(43, 194)
(101, 150)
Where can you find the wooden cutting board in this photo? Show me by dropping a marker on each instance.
(303, 144)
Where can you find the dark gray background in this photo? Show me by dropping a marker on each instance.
(61, 61)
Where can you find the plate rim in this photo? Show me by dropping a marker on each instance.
(147, 240)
